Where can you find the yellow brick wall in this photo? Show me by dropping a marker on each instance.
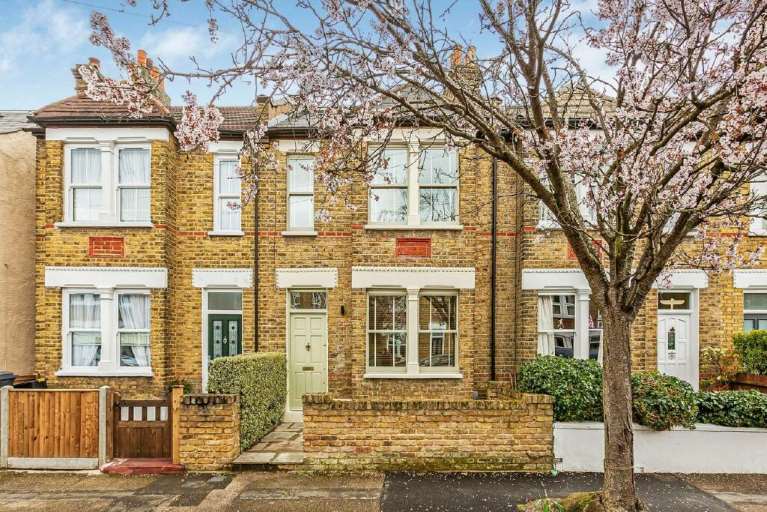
(209, 431)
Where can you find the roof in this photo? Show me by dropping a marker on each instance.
(14, 120)
(236, 119)
(82, 108)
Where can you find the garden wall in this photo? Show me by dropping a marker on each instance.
(707, 449)
(511, 434)
(209, 431)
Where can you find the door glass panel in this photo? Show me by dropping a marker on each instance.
(233, 337)
(225, 301)
(671, 339)
(308, 300)
(670, 301)
(218, 334)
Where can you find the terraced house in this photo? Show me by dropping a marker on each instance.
(445, 277)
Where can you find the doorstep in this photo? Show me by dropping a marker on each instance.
(282, 447)
(142, 467)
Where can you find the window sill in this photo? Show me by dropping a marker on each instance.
(299, 233)
(226, 233)
(548, 226)
(123, 372)
(378, 375)
(67, 224)
(757, 233)
(419, 227)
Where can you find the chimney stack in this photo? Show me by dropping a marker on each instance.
(80, 85)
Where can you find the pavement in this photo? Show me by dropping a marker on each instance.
(268, 491)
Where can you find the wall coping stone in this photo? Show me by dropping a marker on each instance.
(205, 399)
(514, 401)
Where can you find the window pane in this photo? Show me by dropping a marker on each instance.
(87, 203)
(437, 312)
(563, 312)
(134, 166)
(225, 301)
(388, 205)
(300, 175)
(436, 349)
(387, 349)
(133, 311)
(673, 300)
(84, 311)
(86, 166)
(229, 214)
(228, 178)
(437, 167)
(437, 205)
(301, 212)
(134, 349)
(308, 300)
(563, 344)
(86, 348)
(134, 204)
(390, 312)
(755, 301)
(393, 170)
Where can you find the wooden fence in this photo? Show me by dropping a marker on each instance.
(55, 428)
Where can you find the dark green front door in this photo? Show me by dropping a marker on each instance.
(224, 335)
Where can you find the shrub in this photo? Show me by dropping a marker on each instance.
(662, 401)
(261, 382)
(575, 384)
(752, 349)
(733, 408)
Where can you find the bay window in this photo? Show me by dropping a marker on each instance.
(106, 332)
(412, 334)
(414, 186)
(107, 184)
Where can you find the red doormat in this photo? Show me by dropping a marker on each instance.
(141, 467)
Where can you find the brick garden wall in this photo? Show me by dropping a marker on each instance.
(514, 434)
(209, 429)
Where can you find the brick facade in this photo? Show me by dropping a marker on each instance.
(209, 429)
(513, 434)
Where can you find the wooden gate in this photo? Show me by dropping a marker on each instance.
(142, 429)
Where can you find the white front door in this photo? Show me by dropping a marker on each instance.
(675, 346)
(307, 357)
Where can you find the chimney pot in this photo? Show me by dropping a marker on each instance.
(141, 58)
(471, 55)
(93, 61)
(457, 56)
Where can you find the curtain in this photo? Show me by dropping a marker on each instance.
(133, 314)
(85, 313)
(545, 326)
(86, 166)
(134, 166)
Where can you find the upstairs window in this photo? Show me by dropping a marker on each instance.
(227, 206)
(415, 187)
(107, 184)
(547, 220)
(759, 219)
(300, 193)
(134, 184)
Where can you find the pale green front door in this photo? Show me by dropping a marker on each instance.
(308, 356)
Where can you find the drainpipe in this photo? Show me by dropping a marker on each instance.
(493, 264)
(255, 270)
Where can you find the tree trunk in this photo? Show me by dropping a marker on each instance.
(619, 491)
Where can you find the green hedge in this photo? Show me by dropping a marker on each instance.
(733, 408)
(575, 384)
(261, 381)
(662, 401)
(752, 349)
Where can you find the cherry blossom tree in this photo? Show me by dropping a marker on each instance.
(629, 165)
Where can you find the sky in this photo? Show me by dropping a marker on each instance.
(41, 40)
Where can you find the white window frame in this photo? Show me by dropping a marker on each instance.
(109, 365)
(296, 230)
(547, 220)
(120, 187)
(752, 311)
(758, 225)
(412, 369)
(109, 215)
(218, 195)
(119, 331)
(412, 185)
(454, 332)
(581, 332)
